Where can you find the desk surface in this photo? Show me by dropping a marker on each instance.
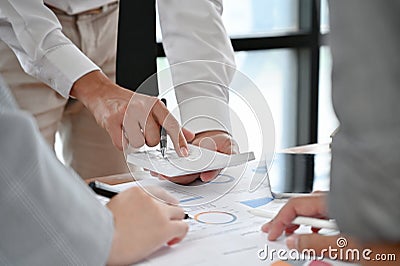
(307, 149)
(113, 179)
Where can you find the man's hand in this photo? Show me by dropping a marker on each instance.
(213, 140)
(109, 103)
(313, 206)
(143, 225)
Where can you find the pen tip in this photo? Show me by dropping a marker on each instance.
(187, 216)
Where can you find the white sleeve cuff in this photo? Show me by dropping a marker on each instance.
(199, 114)
(62, 66)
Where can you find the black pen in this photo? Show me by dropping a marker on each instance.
(102, 190)
(163, 134)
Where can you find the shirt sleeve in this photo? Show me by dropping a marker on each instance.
(34, 34)
(193, 32)
(365, 181)
(48, 214)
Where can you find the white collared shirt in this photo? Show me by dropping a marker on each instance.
(34, 34)
(192, 30)
(77, 6)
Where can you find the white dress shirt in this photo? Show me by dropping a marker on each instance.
(73, 7)
(192, 30)
(34, 34)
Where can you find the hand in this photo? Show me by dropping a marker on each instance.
(313, 206)
(109, 103)
(142, 225)
(213, 140)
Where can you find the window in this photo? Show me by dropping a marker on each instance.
(279, 44)
(260, 17)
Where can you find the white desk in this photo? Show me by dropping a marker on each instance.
(223, 232)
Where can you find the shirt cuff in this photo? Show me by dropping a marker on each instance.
(64, 65)
(202, 113)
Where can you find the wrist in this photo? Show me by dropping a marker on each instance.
(210, 133)
(90, 87)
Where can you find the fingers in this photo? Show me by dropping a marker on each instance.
(135, 135)
(277, 226)
(183, 180)
(115, 132)
(290, 229)
(208, 143)
(174, 241)
(177, 230)
(313, 206)
(210, 175)
(139, 122)
(187, 179)
(217, 140)
(154, 174)
(226, 144)
(163, 117)
(212, 140)
(315, 229)
(143, 119)
(174, 213)
(135, 110)
(189, 135)
(152, 132)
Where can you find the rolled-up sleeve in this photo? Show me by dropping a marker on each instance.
(34, 34)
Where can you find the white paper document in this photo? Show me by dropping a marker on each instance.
(221, 231)
(199, 160)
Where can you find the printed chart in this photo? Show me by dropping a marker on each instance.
(215, 217)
